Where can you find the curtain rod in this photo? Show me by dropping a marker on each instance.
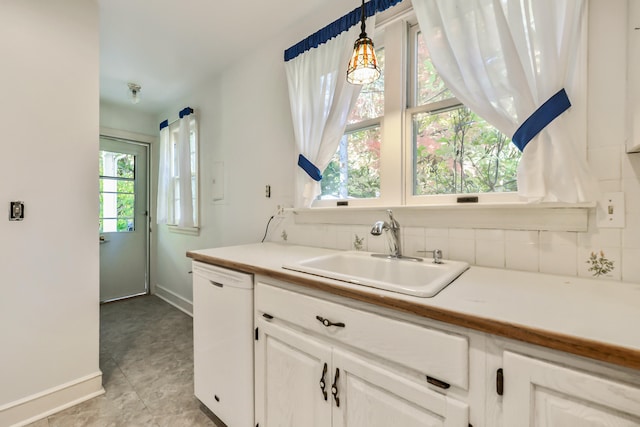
(183, 113)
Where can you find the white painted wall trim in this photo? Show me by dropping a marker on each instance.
(174, 299)
(126, 135)
(514, 216)
(38, 406)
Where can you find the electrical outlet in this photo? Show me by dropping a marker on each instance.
(610, 211)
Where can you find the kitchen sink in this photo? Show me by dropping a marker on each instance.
(406, 276)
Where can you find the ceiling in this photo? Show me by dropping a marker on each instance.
(170, 46)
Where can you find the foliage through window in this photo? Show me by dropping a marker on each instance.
(117, 192)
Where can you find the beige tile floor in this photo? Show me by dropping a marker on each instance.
(146, 357)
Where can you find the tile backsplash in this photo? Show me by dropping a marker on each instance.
(564, 253)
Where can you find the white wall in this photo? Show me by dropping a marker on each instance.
(49, 262)
(244, 122)
(128, 119)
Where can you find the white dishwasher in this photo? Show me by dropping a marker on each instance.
(223, 342)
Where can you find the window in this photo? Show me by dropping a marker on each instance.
(354, 171)
(410, 141)
(453, 150)
(117, 192)
(174, 186)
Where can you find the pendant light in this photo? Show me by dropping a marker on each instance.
(363, 67)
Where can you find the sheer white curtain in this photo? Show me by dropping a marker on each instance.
(504, 59)
(183, 172)
(164, 178)
(321, 100)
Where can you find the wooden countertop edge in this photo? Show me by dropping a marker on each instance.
(617, 355)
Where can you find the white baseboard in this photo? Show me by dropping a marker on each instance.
(174, 299)
(38, 406)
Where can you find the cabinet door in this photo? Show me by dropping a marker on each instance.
(542, 394)
(372, 396)
(289, 368)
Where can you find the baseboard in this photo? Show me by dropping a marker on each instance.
(38, 406)
(174, 299)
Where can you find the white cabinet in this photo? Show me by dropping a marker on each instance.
(289, 367)
(313, 379)
(223, 342)
(543, 394)
(633, 76)
(373, 396)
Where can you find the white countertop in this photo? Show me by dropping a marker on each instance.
(605, 312)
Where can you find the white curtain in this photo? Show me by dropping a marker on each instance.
(164, 178)
(321, 100)
(183, 172)
(504, 59)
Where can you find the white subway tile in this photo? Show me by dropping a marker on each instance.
(522, 254)
(558, 259)
(631, 265)
(462, 233)
(462, 250)
(490, 253)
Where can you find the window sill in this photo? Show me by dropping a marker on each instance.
(190, 231)
(505, 216)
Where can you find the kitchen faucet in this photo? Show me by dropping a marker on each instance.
(393, 234)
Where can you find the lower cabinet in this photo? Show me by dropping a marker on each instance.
(543, 394)
(303, 381)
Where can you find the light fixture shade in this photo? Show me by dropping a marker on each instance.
(134, 92)
(363, 67)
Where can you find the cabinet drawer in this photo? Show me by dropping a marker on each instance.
(441, 355)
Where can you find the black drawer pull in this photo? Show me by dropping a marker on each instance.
(437, 383)
(220, 285)
(323, 385)
(327, 322)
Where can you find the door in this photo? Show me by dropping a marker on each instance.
(289, 369)
(372, 396)
(543, 394)
(123, 219)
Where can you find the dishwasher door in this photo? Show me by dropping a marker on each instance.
(223, 342)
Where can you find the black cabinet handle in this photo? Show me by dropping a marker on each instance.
(334, 388)
(323, 386)
(327, 322)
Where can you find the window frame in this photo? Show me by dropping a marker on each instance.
(172, 220)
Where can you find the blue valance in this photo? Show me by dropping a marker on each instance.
(164, 124)
(337, 27)
(540, 119)
(185, 112)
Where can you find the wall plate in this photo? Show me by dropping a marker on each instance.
(611, 211)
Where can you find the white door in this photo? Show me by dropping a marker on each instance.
(543, 394)
(123, 221)
(372, 396)
(289, 370)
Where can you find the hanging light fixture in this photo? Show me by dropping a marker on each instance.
(134, 92)
(363, 67)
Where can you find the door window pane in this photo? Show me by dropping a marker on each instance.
(117, 192)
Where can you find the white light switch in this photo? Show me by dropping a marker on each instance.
(610, 210)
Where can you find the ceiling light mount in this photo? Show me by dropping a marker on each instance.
(363, 67)
(134, 92)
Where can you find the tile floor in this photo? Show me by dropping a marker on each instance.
(146, 357)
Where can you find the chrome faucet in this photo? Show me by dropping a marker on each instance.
(393, 235)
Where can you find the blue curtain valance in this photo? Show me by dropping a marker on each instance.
(337, 27)
(183, 113)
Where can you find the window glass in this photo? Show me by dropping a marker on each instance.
(454, 150)
(354, 171)
(116, 192)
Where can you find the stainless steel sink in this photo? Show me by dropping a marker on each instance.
(420, 279)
